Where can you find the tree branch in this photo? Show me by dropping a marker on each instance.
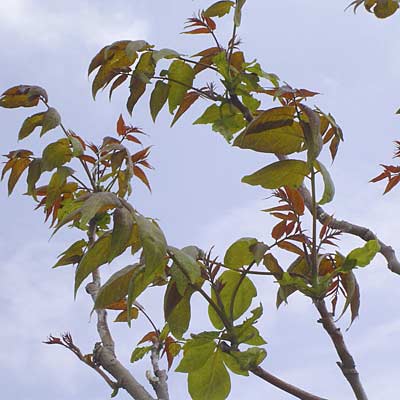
(346, 363)
(159, 380)
(286, 387)
(104, 352)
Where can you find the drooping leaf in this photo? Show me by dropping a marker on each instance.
(72, 255)
(273, 131)
(238, 12)
(244, 293)
(96, 256)
(122, 232)
(281, 173)
(165, 53)
(239, 253)
(212, 381)
(123, 315)
(329, 187)
(187, 102)
(22, 96)
(30, 124)
(116, 288)
(51, 119)
(140, 352)
(34, 172)
(154, 245)
(56, 154)
(17, 169)
(180, 77)
(56, 184)
(158, 98)
(352, 290)
(311, 131)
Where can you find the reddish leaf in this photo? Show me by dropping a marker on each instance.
(187, 101)
(149, 337)
(212, 51)
(119, 81)
(140, 155)
(286, 217)
(132, 138)
(291, 247)
(393, 181)
(290, 227)
(378, 178)
(278, 208)
(89, 159)
(296, 199)
(138, 172)
(278, 230)
(121, 128)
(198, 31)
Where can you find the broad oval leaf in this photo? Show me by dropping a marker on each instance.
(281, 173)
(219, 9)
(122, 232)
(180, 77)
(56, 154)
(30, 124)
(239, 253)
(361, 256)
(51, 120)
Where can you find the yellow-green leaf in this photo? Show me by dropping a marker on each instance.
(181, 77)
(56, 154)
(158, 98)
(219, 9)
(30, 124)
(51, 120)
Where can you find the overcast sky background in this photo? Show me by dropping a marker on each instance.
(354, 61)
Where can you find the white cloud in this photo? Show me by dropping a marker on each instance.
(52, 25)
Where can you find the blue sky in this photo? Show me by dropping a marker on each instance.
(197, 195)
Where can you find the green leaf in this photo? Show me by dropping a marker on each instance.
(158, 98)
(34, 172)
(229, 282)
(238, 12)
(273, 131)
(72, 255)
(56, 184)
(137, 88)
(234, 365)
(247, 332)
(116, 287)
(177, 311)
(312, 135)
(212, 381)
(181, 77)
(77, 148)
(51, 120)
(56, 154)
(385, 8)
(122, 232)
(139, 353)
(361, 256)
(352, 290)
(281, 173)
(250, 358)
(154, 245)
(329, 187)
(196, 353)
(239, 253)
(219, 9)
(30, 124)
(165, 53)
(96, 256)
(18, 168)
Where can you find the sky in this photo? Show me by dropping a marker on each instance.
(352, 60)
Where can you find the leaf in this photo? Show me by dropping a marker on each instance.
(352, 289)
(361, 256)
(250, 358)
(312, 136)
(187, 102)
(34, 172)
(123, 316)
(30, 124)
(229, 282)
(22, 96)
(196, 353)
(137, 89)
(219, 9)
(181, 77)
(139, 173)
(118, 82)
(238, 12)
(72, 255)
(165, 53)
(272, 265)
(239, 253)
(139, 353)
(329, 188)
(18, 168)
(116, 287)
(273, 131)
(177, 311)
(56, 154)
(51, 120)
(154, 245)
(186, 263)
(212, 381)
(158, 98)
(122, 231)
(281, 173)
(56, 184)
(96, 256)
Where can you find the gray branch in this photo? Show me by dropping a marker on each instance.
(159, 380)
(346, 363)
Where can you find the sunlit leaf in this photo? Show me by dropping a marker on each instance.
(329, 188)
(180, 77)
(239, 253)
(56, 154)
(219, 9)
(158, 98)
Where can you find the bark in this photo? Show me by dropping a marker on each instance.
(346, 363)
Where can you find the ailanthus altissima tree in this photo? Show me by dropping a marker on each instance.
(86, 186)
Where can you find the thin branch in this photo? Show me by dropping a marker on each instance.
(159, 381)
(286, 387)
(346, 363)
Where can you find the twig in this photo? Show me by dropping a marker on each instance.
(159, 380)
(286, 387)
(346, 363)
